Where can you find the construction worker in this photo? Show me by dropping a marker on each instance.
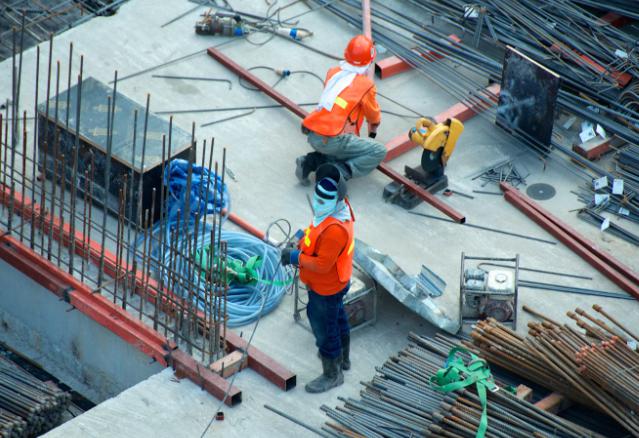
(333, 127)
(325, 259)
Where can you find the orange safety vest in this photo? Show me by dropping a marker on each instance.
(346, 113)
(344, 263)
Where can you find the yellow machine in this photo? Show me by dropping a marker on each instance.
(438, 141)
(434, 136)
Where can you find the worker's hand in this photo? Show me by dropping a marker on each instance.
(290, 256)
(372, 130)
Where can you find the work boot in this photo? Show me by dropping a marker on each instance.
(302, 170)
(346, 349)
(331, 376)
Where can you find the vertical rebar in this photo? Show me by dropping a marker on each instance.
(35, 149)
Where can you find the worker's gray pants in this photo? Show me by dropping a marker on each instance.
(361, 154)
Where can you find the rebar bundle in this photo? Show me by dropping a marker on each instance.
(596, 366)
(28, 407)
(401, 402)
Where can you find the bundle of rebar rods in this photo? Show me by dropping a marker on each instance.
(597, 366)
(400, 402)
(28, 407)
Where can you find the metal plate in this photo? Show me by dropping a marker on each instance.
(541, 191)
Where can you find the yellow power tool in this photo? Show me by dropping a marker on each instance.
(434, 136)
(439, 141)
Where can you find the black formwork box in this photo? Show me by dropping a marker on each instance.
(93, 140)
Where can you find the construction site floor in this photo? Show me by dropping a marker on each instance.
(261, 152)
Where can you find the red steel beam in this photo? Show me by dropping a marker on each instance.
(422, 194)
(262, 363)
(263, 86)
(622, 79)
(394, 65)
(604, 263)
(299, 111)
(615, 19)
(113, 318)
(462, 111)
(145, 287)
(588, 244)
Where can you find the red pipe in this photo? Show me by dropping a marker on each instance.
(367, 30)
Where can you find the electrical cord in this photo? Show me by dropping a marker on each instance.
(282, 73)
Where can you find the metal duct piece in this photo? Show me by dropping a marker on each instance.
(403, 286)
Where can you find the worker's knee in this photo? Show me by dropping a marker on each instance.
(379, 151)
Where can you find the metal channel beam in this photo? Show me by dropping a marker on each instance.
(297, 110)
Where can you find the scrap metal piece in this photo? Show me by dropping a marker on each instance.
(408, 290)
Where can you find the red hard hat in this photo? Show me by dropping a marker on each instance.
(360, 51)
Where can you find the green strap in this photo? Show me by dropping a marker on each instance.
(457, 375)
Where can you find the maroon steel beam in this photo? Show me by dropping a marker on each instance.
(539, 216)
(625, 270)
(299, 111)
(250, 77)
(423, 194)
(262, 363)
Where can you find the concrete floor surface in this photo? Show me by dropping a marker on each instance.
(261, 152)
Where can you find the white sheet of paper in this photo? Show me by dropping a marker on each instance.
(617, 186)
(587, 134)
(600, 199)
(599, 130)
(605, 224)
(624, 211)
(600, 183)
(621, 54)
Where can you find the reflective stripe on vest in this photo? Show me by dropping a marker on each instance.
(345, 259)
(345, 111)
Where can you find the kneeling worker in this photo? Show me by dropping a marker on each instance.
(333, 128)
(325, 259)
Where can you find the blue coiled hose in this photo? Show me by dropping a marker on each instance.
(245, 301)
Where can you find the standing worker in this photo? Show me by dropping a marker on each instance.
(333, 128)
(325, 259)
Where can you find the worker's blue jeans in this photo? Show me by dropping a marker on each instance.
(329, 321)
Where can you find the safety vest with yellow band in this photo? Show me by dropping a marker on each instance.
(345, 117)
(344, 262)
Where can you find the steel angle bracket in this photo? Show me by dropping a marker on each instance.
(402, 286)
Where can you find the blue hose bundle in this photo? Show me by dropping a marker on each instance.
(246, 301)
(201, 200)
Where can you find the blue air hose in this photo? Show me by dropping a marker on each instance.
(244, 300)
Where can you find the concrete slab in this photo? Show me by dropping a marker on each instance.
(261, 152)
